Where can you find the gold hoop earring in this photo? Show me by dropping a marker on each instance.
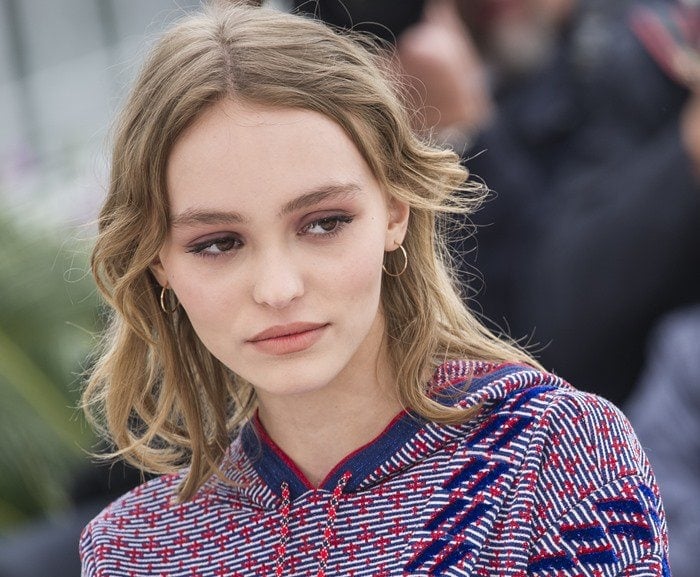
(403, 268)
(163, 306)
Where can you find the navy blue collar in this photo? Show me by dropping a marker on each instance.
(274, 467)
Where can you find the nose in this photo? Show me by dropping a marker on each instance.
(278, 280)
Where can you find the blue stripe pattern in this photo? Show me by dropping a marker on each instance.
(544, 481)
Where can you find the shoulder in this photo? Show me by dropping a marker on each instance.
(573, 424)
(584, 478)
(158, 493)
(545, 396)
(148, 518)
(542, 412)
(589, 431)
(592, 492)
(469, 382)
(112, 528)
(552, 424)
(124, 523)
(501, 388)
(579, 479)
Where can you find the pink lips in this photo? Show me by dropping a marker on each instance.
(287, 339)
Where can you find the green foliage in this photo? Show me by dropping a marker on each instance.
(48, 314)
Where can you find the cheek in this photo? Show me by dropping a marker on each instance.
(193, 299)
(359, 278)
(215, 316)
(202, 299)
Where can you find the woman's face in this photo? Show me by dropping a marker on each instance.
(278, 232)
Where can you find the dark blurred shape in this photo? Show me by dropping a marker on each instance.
(615, 238)
(387, 20)
(49, 547)
(46, 548)
(665, 412)
(592, 146)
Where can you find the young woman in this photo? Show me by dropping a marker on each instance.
(288, 349)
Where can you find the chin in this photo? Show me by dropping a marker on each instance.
(296, 378)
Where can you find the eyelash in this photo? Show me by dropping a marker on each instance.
(340, 221)
(200, 248)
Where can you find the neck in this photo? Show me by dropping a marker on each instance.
(317, 430)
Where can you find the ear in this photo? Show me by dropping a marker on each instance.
(158, 271)
(399, 213)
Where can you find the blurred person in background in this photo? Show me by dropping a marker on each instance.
(570, 112)
(670, 385)
(590, 143)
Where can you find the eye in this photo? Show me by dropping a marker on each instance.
(216, 246)
(329, 225)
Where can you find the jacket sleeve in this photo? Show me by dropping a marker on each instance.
(596, 507)
(87, 554)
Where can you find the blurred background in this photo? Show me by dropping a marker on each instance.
(582, 116)
(64, 67)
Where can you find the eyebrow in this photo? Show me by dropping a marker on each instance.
(195, 216)
(314, 197)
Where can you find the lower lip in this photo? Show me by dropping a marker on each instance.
(288, 344)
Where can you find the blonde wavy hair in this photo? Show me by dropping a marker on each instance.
(155, 392)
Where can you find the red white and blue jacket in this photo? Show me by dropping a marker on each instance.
(545, 481)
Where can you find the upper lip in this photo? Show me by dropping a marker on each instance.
(285, 330)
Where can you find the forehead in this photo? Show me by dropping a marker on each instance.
(254, 153)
